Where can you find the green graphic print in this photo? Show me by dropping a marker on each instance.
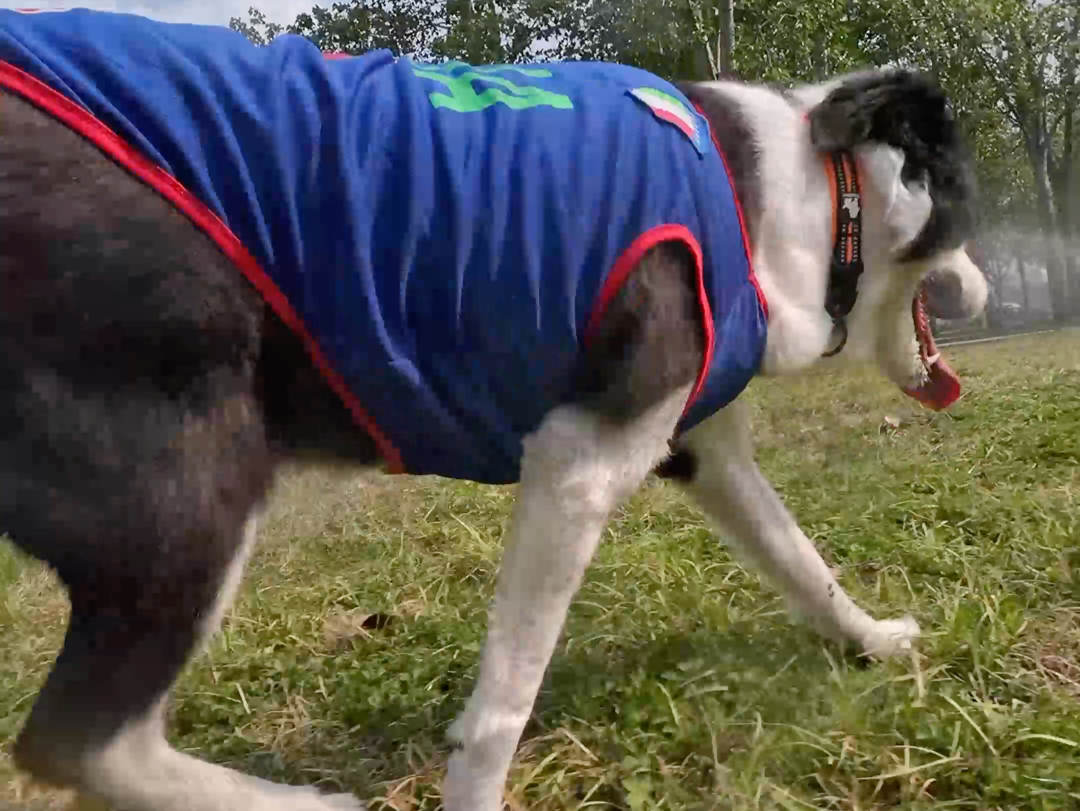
(462, 97)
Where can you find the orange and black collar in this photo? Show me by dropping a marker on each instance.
(846, 263)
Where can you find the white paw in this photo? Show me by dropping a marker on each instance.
(306, 798)
(468, 789)
(477, 772)
(891, 638)
(342, 802)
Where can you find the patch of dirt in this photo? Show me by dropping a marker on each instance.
(22, 794)
(1059, 650)
(342, 627)
(284, 730)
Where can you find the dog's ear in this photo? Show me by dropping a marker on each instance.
(901, 108)
(908, 112)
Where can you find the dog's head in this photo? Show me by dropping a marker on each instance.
(918, 200)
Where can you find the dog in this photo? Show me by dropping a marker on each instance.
(216, 257)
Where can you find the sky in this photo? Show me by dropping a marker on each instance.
(207, 12)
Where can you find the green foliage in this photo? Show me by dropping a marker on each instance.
(799, 41)
(490, 32)
(1010, 66)
(478, 32)
(679, 684)
(256, 28)
(404, 26)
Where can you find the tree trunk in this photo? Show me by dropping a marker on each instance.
(1064, 175)
(726, 37)
(707, 58)
(1064, 181)
(1022, 273)
(992, 272)
(704, 63)
(1063, 305)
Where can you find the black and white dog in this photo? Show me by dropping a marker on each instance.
(150, 389)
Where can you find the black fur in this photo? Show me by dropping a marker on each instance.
(148, 394)
(132, 447)
(681, 466)
(741, 153)
(909, 112)
(650, 341)
(304, 418)
(945, 296)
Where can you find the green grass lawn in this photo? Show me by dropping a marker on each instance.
(680, 683)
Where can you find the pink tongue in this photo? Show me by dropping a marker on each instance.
(943, 386)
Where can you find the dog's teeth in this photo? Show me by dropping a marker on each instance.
(931, 361)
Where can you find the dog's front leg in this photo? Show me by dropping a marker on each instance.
(575, 469)
(722, 475)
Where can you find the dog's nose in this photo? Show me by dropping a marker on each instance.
(945, 297)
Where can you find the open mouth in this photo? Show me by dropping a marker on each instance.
(940, 386)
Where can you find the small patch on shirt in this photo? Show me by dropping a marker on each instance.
(672, 110)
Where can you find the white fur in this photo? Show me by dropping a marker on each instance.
(139, 771)
(795, 240)
(233, 575)
(732, 490)
(575, 470)
(973, 283)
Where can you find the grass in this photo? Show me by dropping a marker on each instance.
(679, 683)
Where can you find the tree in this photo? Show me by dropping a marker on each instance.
(1009, 66)
(256, 28)
(479, 31)
(682, 39)
(403, 26)
(503, 32)
(726, 41)
(1032, 59)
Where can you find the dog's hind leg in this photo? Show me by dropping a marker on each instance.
(715, 462)
(133, 452)
(581, 462)
(98, 724)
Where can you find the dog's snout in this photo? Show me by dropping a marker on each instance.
(945, 295)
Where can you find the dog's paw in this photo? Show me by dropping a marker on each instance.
(891, 638)
(314, 801)
(344, 802)
(471, 786)
(305, 798)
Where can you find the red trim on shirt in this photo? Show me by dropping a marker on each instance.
(85, 124)
(628, 261)
(739, 213)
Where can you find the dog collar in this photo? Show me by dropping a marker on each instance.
(846, 263)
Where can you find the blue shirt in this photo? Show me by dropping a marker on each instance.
(441, 236)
